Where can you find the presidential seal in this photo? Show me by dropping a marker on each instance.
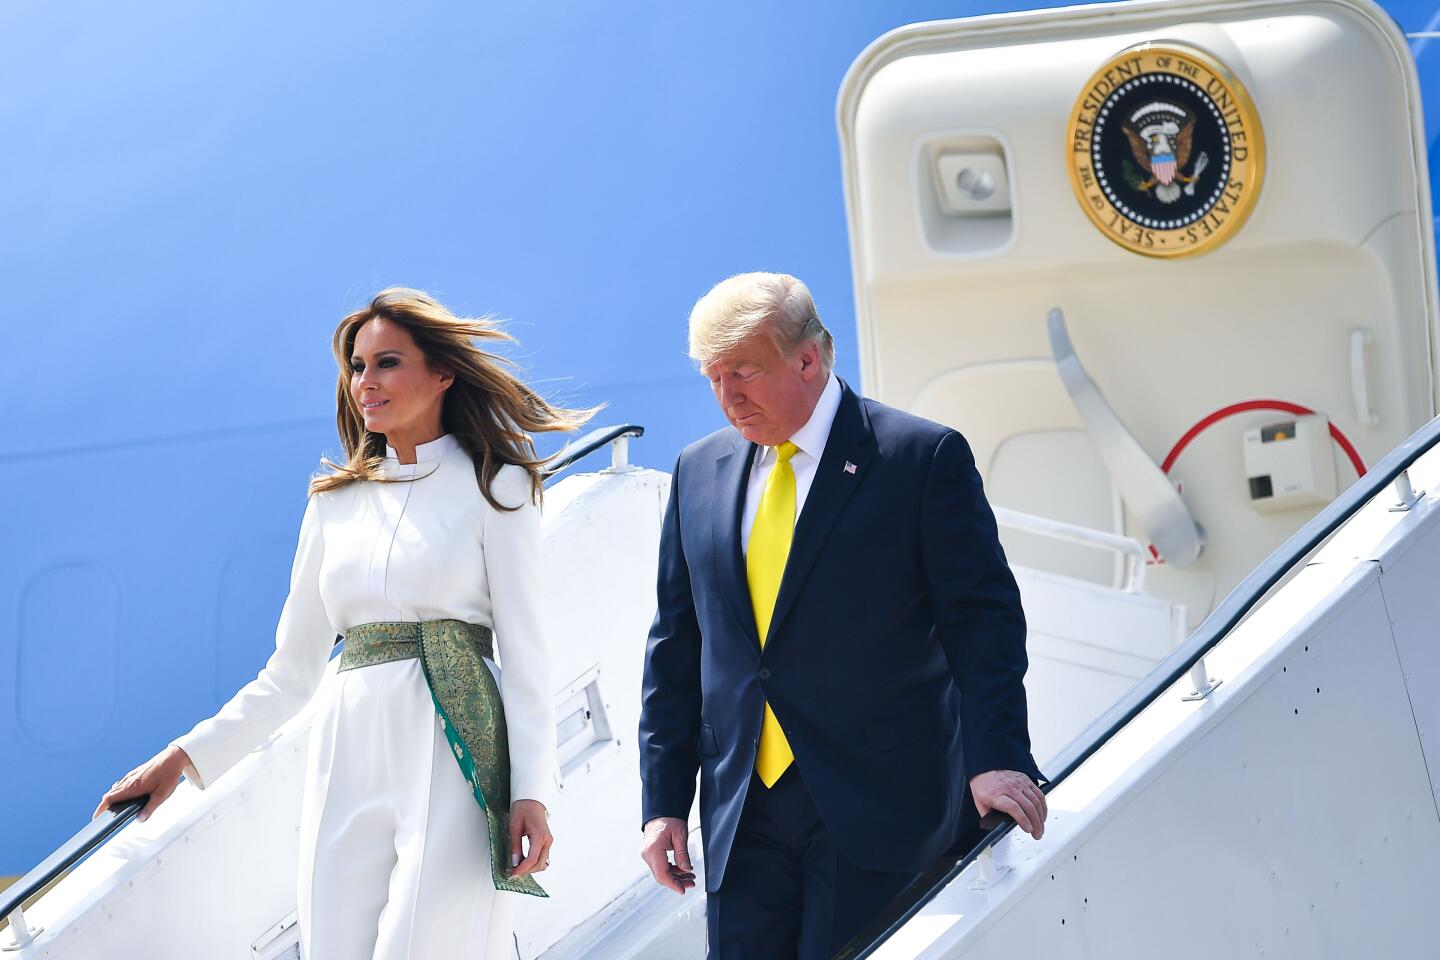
(1166, 152)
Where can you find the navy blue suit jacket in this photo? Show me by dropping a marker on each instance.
(896, 651)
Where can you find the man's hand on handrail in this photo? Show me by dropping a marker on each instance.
(1013, 794)
(157, 777)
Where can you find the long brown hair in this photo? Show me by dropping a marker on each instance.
(487, 408)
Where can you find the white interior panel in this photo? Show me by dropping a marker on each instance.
(1087, 645)
(1023, 477)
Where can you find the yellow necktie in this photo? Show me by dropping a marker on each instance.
(764, 566)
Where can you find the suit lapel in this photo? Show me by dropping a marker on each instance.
(733, 472)
(850, 445)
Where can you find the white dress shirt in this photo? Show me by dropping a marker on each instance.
(810, 441)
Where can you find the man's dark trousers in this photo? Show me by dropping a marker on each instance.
(788, 893)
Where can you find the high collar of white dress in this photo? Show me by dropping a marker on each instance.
(426, 452)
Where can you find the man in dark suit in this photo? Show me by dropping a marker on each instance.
(838, 648)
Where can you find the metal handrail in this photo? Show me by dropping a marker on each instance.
(97, 831)
(1127, 547)
(89, 837)
(1223, 619)
(588, 444)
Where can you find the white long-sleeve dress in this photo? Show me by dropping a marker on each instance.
(394, 852)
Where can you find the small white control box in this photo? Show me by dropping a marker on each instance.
(1289, 463)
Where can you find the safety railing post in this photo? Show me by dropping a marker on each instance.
(21, 936)
(1405, 495)
(1201, 680)
(988, 873)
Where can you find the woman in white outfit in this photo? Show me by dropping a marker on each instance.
(424, 812)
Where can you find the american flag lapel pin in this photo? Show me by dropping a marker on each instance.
(849, 467)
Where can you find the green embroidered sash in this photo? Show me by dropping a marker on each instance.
(467, 700)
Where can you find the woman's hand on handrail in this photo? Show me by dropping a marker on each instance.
(157, 777)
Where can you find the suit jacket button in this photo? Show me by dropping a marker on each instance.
(764, 673)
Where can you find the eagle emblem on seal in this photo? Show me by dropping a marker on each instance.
(1162, 138)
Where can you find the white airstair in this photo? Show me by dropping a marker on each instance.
(214, 870)
(1286, 808)
(1292, 790)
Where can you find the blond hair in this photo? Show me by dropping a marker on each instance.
(746, 304)
(487, 409)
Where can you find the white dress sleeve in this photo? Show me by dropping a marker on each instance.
(512, 568)
(303, 641)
